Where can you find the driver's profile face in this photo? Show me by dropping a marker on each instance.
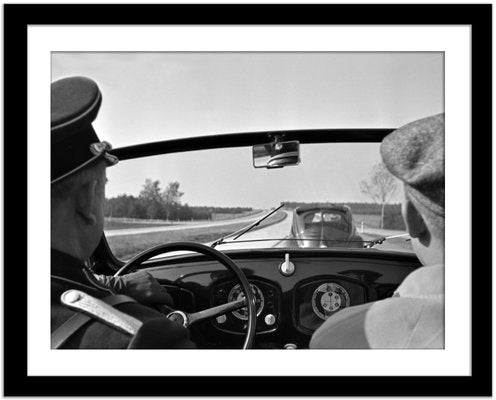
(97, 208)
(100, 198)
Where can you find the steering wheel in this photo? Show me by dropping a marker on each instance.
(189, 319)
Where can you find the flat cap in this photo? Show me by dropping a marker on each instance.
(75, 102)
(414, 153)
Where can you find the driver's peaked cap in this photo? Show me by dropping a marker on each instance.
(75, 102)
(414, 153)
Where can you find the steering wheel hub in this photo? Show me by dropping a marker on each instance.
(179, 317)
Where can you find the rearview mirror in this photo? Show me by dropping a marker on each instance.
(276, 155)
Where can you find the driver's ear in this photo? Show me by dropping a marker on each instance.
(85, 201)
(414, 221)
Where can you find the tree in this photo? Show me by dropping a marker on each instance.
(380, 187)
(171, 197)
(152, 200)
(120, 206)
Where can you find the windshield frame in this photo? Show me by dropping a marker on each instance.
(246, 139)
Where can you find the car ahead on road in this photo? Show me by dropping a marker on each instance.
(244, 283)
(330, 226)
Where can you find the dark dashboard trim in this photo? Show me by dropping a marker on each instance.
(371, 254)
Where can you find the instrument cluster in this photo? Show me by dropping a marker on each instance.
(318, 300)
(328, 299)
(267, 303)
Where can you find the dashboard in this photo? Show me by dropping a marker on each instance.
(290, 305)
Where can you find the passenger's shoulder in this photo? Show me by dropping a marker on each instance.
(343, 330)
(391, 323)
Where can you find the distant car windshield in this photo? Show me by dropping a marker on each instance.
(328, 219)
(330, 200)
(325, 226)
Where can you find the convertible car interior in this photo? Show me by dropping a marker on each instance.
(264, 292)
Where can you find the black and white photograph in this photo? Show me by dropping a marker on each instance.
(286, 172)
(210, 196)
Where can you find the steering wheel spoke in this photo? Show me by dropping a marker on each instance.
(216, 311)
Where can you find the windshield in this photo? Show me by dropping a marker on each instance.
(328, 200)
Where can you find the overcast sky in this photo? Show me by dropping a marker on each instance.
(157, 96)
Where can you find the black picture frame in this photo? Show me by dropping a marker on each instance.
(18, 17)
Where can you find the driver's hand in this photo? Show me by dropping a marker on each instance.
(141, 286)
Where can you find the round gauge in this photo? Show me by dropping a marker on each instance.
(328, 299)
(237, 294)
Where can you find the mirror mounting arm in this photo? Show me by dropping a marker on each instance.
(275, 138)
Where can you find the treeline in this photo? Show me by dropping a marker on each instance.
(125, 206)
(392, 212)
(155, 203)
(356, 208)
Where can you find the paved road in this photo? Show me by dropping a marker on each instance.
(277, 231)
(137, 231)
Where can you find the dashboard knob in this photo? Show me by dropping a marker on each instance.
(287, 268)
(221, 319)
(270, 319)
